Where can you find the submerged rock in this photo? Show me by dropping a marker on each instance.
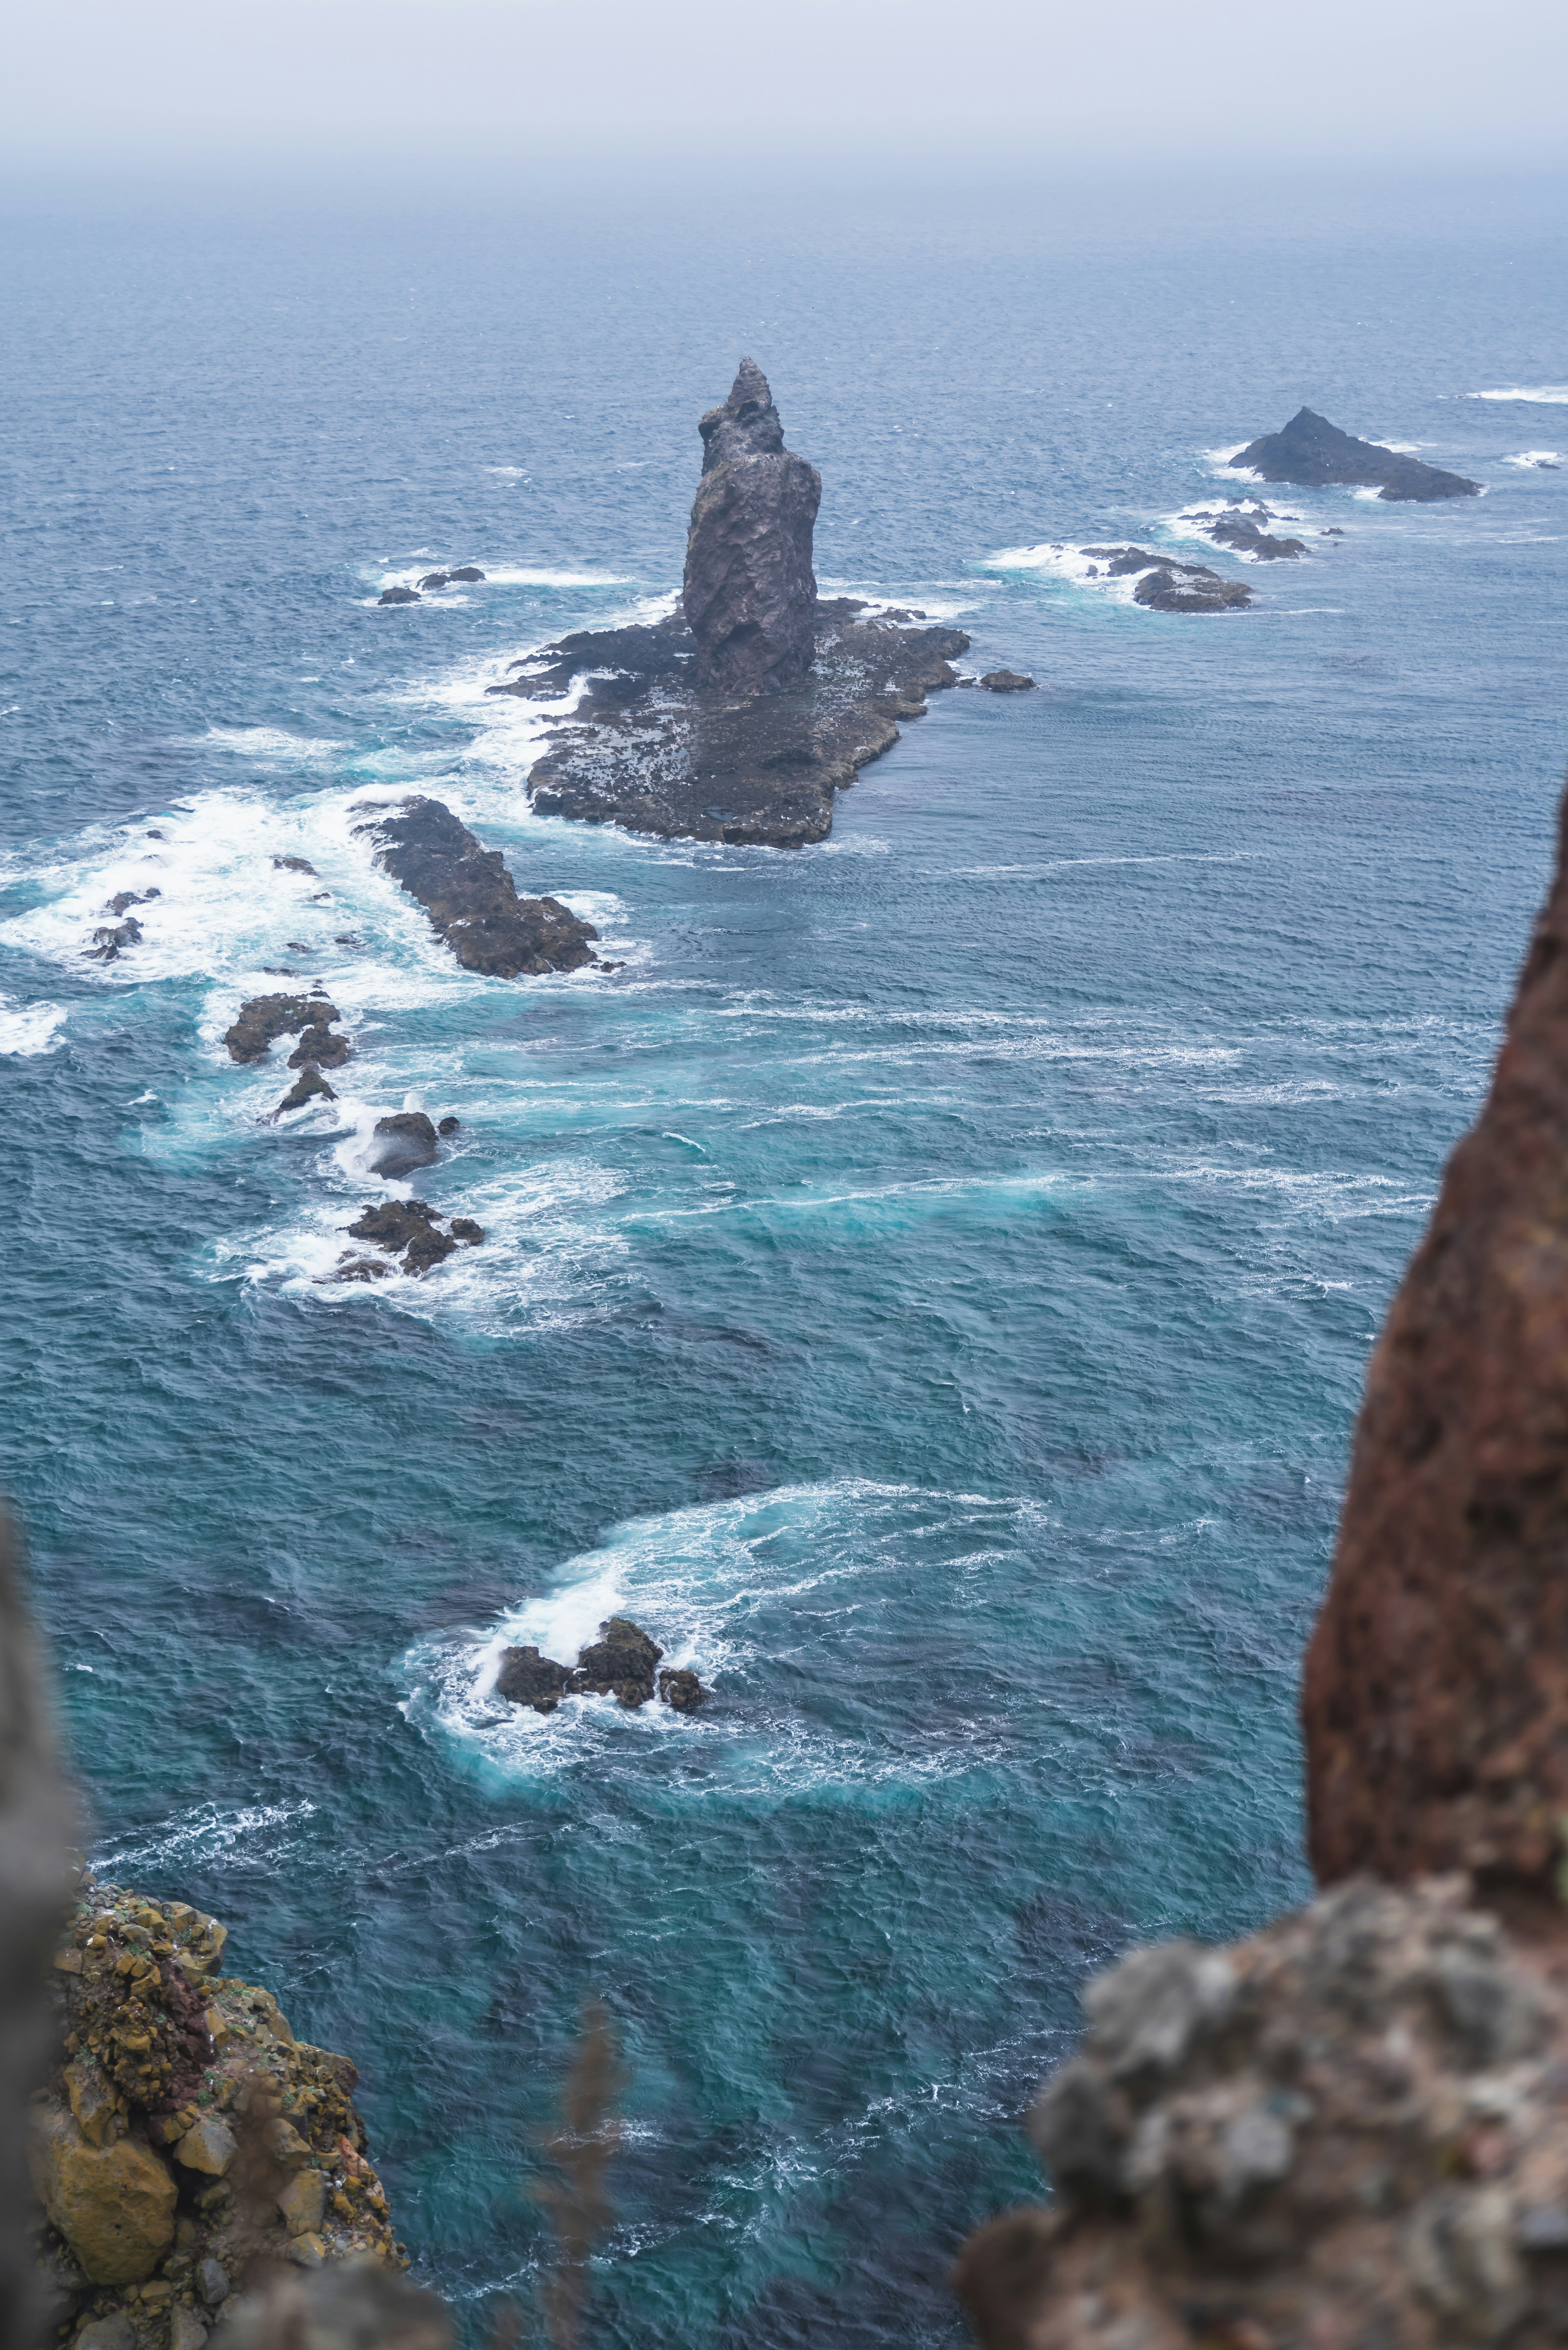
(294, 865)
(1240, 526)
(124, 898)
(750, 594)
(266, 1017)
(401, 1143)
(397, 596)
(470, 896)
(1316, 454)
(108, 945)
(362, 1268)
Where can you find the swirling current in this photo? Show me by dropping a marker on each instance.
(928, 1285)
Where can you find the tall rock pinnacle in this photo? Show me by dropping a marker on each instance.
(750, 593)
(1435, 1703)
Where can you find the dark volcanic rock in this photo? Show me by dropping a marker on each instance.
(1317, 455)
(526, 1678)
(750, 595)
(397, 596)
(294, 865)
(108, 945)
(1007, 681)
(470, 896)
(682, 1689)
(1435, 1703)
(1240, 526)
(448, 1125)
(318, 1044)
(620, 1663)
(309, 1085)
(435, 579)
(266, 1017)
(464, 1228)
(393, 1224)
(360, 1268)
(127, 897)
(427, 1249)
(1170, 586)
(401, 1142)
(467, 572)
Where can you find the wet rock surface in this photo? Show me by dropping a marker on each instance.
(397, 596)
(1167, 585)
(408, 1229)
(749, 592)
(1239, 525)
(188, 2145)
(109, 942)
(401, 1142)
(1348, 2130)
(469, 894)
(308, 1086)
(1435, 1703)
(621, 1663)
(741, 715)
(265, 1018)
(1316, 454)
(644, 749)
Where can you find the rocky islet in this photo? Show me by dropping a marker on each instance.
(623, 1663)
(1313, 454)
(468, 893)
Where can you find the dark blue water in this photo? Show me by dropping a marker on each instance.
(928, 1287)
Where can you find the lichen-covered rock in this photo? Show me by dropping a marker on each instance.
(113, 2205)
(189, 2141)
(1349, 2130)
(1434, 1701)
(750, 594)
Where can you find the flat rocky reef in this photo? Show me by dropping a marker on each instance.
(645, 747)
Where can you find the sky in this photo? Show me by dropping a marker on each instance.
(396, 90)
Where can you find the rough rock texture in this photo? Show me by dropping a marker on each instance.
(109, 943)
(266, 1017)
(1348, 2133)
(1435, 1696)
(402, 1141)
(620, 1663)
(189, 2143)
(1006, 680)
(308, 1086)
(38, 1824)
(1239, 525)
(750, 594)
(644, 749)
(408, 1227)
(1317, 455)
(470, 896)
(1167, 585)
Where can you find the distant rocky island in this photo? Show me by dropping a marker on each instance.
(1316, 455)
(739, 716)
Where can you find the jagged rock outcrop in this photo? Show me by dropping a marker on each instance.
(1166, 585)
(264, 1018)
(1435, 1696)
(621, 1663)
(1239, 525)
(189, 2143)
(1007, 681)
(410, 1229)
(470, 896)
(1316, 454)
(1349, 2130)
(308, 1086)
(402, 1141)
(750, 593)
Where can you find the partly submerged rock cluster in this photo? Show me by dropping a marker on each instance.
(1316, 454)
(188, 2143)
(408, 1229)
(621, 1663)
(469, 895)
(1166, 585)
(1352, 2130)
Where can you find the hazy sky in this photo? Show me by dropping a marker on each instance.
(401, 86)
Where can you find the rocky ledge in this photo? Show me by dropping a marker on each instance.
(469, 895)
(1167, 585)
(621, 1663)
(189, 2143)
(1316, 455)
(741, 715)
(1239, 525)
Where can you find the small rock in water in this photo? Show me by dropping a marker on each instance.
(309, 1085)
(680, 1689)
(434, 580)
(294, 865)
(397, 596)
(405, 1140)
(362, 1268)
(394, 1223)
(464, 1228)
(108, 945)
(1007, 681)
(267, 1018)
(118, 904)
(528, 1678)
(467, 572)
(448, 1125)
(427, 1249)
(620, 1663)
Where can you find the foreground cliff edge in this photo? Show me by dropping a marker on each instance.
(188, 2146)
(739, 716)
(1350, 2131)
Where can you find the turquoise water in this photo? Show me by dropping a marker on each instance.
(927, 1286)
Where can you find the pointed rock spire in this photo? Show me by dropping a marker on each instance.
(750, 592)
(1435, 1703)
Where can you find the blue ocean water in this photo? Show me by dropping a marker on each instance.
(927, 1286)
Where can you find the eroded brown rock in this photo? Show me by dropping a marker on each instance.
(1435, 1703)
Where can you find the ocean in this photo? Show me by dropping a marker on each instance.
(927, 1286)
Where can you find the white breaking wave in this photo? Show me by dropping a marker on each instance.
(1531, 459)
(1067, 563)
(27, 1029)
(1543, 395)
